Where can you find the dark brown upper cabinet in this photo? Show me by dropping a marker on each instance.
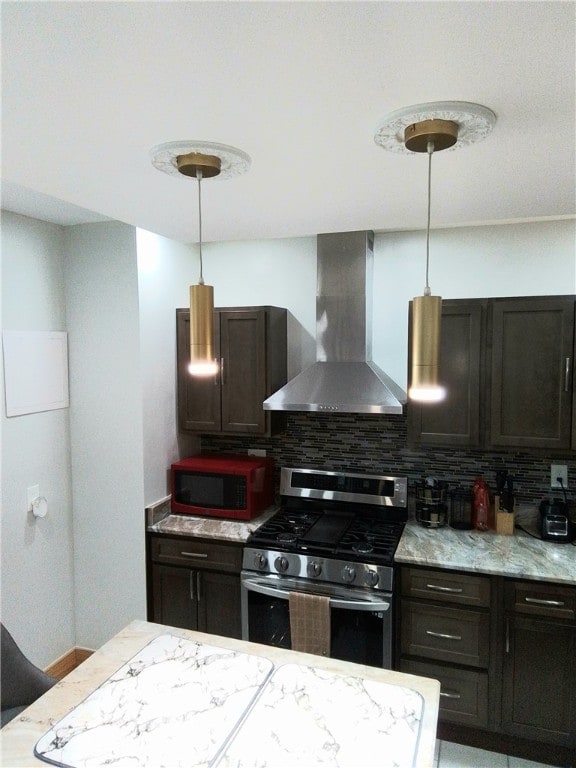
(456, 420)
(531, 372)
(507, 365)
(252, 347)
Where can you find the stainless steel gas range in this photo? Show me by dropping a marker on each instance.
(335, 535)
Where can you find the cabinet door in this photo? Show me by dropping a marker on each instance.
(243, 370)
(531, 398)
(198, 398)
(455, 420)
(219, 603)
(539, 686)
(174, 596)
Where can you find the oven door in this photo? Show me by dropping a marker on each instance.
(360, 621)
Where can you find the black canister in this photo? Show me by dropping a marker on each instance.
(461, 509)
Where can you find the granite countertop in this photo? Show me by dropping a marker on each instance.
(521, 555)
(160, 696)
(160, 520)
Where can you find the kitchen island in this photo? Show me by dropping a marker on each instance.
(216, 701)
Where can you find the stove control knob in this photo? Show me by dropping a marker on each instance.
(260, 561)
(281, 564)
(348, 573)
(371, 578)
(314, 568)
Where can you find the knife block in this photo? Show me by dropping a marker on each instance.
(504, 520)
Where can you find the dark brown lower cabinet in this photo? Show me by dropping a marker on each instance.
(504, 651)
(204, 596)
(539, 672)
(207, 601)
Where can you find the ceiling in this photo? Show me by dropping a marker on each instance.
(88, 88)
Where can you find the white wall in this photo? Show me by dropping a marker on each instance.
(37, 567)
(106, 429)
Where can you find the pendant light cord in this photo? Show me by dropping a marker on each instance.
(430, 150)
(199, 178)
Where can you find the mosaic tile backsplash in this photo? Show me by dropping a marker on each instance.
(377, 444)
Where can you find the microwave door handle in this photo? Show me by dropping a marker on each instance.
(335, 602)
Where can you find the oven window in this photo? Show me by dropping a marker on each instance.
(355, 636)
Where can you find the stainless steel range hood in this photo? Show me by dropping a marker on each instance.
(344, 378)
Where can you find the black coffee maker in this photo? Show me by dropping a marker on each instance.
(555, 522)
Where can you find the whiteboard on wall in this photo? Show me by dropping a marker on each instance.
(35, 371)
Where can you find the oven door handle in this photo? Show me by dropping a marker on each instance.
(335, 602)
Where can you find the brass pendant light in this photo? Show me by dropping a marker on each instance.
(200, 160)
(202, 359)
(427, 136)
(430, 128)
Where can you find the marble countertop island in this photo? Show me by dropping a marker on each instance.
(158, 696)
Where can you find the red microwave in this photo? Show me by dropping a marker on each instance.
(236, 487)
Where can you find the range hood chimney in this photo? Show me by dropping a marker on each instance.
(344, 379)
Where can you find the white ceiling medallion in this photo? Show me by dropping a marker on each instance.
(474, 123)
(233, 162)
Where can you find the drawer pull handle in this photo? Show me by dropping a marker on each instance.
(537, 601)
(443, 635)
(438, 588)
(202, 555)
(447, 695)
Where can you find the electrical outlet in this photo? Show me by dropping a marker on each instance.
(556, 471)
(256, 452)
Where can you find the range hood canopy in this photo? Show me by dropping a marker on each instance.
(344, 379)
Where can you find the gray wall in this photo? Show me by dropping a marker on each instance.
(37, 554)
(105, 429)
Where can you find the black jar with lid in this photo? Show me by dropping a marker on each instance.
(461, 509)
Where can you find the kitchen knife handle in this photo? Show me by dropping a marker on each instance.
(567, 375)
(555, 603)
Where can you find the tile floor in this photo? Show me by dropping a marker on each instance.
(451, 755)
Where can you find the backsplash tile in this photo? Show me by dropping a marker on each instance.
(377, 444)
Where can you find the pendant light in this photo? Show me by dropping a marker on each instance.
(200, 160)
(431, 128)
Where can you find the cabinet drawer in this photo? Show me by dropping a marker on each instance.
(541, 599)
(463, 692)
(449, 634)
(197, 554)
(446, 587)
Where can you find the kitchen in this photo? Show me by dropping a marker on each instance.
(111, 455)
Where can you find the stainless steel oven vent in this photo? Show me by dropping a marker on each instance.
(344, 378)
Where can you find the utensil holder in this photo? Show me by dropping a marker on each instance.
(504, 520)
